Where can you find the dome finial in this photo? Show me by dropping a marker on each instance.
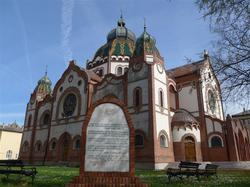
(121, 22)
(121, 16)
(46, 70)
(205, 53)
(145, 27)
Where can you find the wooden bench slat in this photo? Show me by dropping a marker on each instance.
(8, 167)
(191, 169)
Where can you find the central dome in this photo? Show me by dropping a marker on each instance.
(120, 42)
(121, 32)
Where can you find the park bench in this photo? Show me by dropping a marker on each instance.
(8, 167)
(184, 169)
(210, 169)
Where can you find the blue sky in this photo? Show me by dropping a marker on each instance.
(36, 33)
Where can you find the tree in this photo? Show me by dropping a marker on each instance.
(230, 19)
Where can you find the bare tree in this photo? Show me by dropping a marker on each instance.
(230, 19)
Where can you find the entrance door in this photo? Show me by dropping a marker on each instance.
(65, 150)
(190, 153)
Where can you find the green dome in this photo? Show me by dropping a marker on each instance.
(145, 44)
(44, 85)
(120, 32)
(120, 42)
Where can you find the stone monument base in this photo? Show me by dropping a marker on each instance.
(106, 181)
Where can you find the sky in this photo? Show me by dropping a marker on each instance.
(36, 33)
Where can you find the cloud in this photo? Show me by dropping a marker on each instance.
(66, 28)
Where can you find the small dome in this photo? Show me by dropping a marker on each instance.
(45, 80)
(145, 44)
(121, 32)
(183, 116)
(44, 85)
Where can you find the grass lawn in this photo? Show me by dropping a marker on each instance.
(58, 176)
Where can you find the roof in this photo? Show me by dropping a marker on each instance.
(14, 127)
(185, 69)
(182, 115)
(244, 113)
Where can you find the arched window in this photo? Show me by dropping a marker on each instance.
(53, 145)
(125, 69)
(163, 138)
(29, 121)
(161, 98)
(163, 141)
(45, 119)
(25, 147)
(100, 73)
(139, 140)
(77, 144)
(137, 97)
(216, 141)
(38, 146)
(119, 71)
(9, 154)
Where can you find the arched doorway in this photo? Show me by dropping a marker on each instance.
(64, 143)
(65, 150)
(190, 153)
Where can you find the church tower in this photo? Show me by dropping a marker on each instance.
(42, 91)
(148, 86)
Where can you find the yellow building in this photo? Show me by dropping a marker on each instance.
(10, 140)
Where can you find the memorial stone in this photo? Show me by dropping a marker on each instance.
(108, 148)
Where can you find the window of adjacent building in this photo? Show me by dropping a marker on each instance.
(137, 97)
(9, 154)
(161, 98)
(69, 104)
(119, 71)
(216, 141)
(139, 140)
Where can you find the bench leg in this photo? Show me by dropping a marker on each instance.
(33, 176)
(169, 178)
(198, 177)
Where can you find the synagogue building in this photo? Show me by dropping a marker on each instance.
(177, 114)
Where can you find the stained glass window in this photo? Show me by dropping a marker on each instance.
(69, 105)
